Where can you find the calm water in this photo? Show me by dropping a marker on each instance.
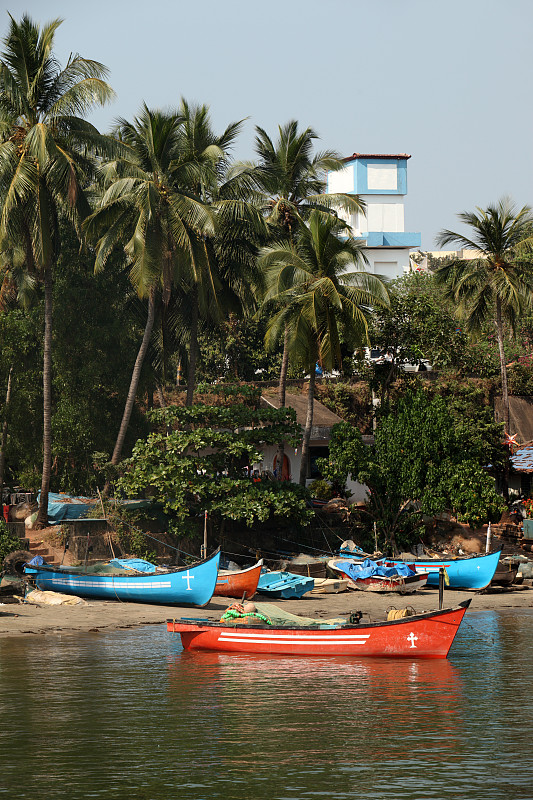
(130, 715)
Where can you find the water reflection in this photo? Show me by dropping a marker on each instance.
(130, 714)
(297, 700)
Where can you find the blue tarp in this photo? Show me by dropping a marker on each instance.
(62, 506)
(65, 506)
(36, 561)
(368, 568)
(137, 564)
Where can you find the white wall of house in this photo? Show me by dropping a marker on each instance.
(293, 454)
(342, 180)
(390, 263)
(383, 213)
(358, 491)
(382, 177)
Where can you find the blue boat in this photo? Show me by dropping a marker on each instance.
(470, 572)
(284, 585)
(183, 586)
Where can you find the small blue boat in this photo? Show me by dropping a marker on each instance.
(284, 585)
(184, 586)
(471, 572)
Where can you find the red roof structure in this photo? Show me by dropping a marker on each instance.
(376, 155)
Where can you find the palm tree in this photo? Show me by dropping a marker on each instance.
(158, 225)
(290, 183)
(223, 279)
(44, 163)
(318, 299)
(495, 287)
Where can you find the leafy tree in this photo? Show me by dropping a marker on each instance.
(44, 163)
(419, 464)
(92, 363)
(497, 286)
(470, 404)
(317, 298)
(91, 373)
(417, 325)
(22, 356)
(201, 462)
(236, 352)
(8, 541)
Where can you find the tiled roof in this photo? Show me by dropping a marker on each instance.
(322, 416)
(522, 460)
(376, 155)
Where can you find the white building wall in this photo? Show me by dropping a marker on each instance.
(293, 454)
(383, 213)
(342, 181)
(388, 262)
(382, 176)
(359, 492)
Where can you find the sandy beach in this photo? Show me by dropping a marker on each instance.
(24, 619)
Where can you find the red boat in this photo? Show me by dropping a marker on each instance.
(236, 583)
(427, 635)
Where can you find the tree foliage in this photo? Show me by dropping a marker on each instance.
(92, 354)
(498, 286)
(47, 151)
(420, 464)
(201, 463)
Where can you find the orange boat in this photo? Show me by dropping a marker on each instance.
(234, 583)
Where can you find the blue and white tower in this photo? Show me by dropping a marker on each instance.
(381, 181)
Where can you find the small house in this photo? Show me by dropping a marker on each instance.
(323, 421)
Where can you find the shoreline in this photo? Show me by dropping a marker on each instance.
(94, 616)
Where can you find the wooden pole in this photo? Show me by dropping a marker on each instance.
(86, 553)
(488, 545)
(441, 587)
(204, 546)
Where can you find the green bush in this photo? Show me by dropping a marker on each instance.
(8, 541)
(321, 490)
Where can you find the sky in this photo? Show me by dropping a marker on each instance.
(448, 83)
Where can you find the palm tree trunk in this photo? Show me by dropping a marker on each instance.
(308, 424)
(193, 351)
(160, 395)
(135, 377)
(505, 392)
(4, 433)
(503, 367)
(281, 397)
(284, 368)
(42, 516)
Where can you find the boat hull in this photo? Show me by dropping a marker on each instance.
(284, 585)
(463, 573)
(235, 584)
(427, 635)
(505, 575)
(399, 585)
(380, 583)
(187, 586)
(329, 585)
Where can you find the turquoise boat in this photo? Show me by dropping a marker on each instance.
(183, 586)
(284, 585)
(471, 572)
